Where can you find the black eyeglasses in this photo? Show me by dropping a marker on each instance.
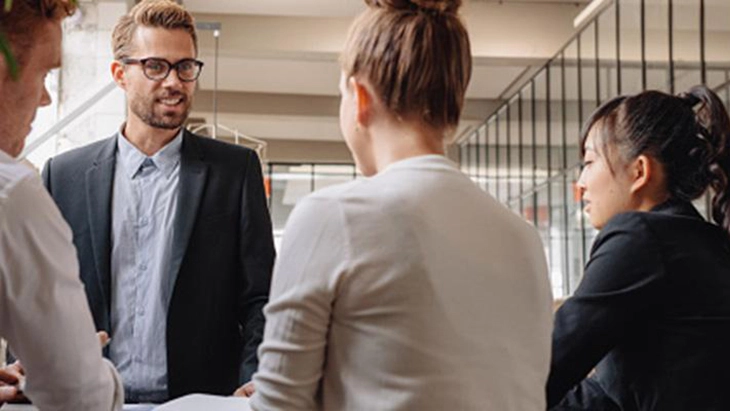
(158, 69)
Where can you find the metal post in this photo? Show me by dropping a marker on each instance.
(216, 35)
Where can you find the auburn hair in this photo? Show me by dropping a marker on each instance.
(20, 23)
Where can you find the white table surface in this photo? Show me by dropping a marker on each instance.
(28, 407)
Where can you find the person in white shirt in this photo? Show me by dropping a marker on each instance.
(43, 310)
(410, 289)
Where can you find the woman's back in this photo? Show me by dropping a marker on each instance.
(411, 289)
(442, 301)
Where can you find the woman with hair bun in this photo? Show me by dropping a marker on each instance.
(652, 313)
(411, 288)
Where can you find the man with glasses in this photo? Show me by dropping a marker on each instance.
(172, 229)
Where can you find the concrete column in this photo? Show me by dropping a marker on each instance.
(87, 57)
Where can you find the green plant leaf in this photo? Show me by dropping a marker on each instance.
(8, 5)
(7, 53)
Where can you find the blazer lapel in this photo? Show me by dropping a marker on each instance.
(193, 172)
(99, 183)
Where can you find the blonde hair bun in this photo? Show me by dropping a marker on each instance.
(436, 6)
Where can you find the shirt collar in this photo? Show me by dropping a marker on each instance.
(678, 207)
(165, 159)
(422, 161)
(7, 158)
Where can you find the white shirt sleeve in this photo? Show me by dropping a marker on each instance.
(44, 314)
(306, 275)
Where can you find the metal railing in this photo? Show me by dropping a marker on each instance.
(74, 115)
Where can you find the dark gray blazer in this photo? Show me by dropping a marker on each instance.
(223, 248)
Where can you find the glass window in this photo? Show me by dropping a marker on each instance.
(724, 90)
(588, 73)
(687, 51)
(556, 126)
(657, 44)
(289, 183)
(462, 158)
(502, 159)
(717, 44)
(542, 219)
(482, 146)
(515, 161)
(576, 241)
(527, 105)
(607, 53)
(464, 154)
(558, 232)
(492, 178)
(473, 156)
(630, 46)
(571, 105)
(541, 128)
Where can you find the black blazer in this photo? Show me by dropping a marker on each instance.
(223, 247)
(652, 314)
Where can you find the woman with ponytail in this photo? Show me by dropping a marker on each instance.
(652, 313)
(411, 288)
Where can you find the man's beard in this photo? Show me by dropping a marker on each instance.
(145, 110)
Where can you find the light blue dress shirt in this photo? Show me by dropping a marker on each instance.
(144, 203)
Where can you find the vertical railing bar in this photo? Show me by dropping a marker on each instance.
(671, 46)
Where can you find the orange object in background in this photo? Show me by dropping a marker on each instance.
(577, 192)
(267, 186)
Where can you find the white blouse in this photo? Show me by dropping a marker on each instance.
(409, 290)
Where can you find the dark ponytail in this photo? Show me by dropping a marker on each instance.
(688, 134)
(714, 127)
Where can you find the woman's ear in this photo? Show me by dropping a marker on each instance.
(364, 100)
(641, 172)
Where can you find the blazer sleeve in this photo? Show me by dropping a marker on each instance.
(619, 292)
(588, 395)
(257, 261)
(46, 175)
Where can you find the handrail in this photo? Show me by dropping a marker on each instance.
(71, 117)
(260, 145)
(542, 67)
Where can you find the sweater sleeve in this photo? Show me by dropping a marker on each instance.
(43, 310)
(311, 263)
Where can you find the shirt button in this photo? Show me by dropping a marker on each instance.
(144, 221)
(143, 267)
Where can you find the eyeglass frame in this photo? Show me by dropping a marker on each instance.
(170, 67)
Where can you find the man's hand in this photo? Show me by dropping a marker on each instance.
(246, 390)
(10, 381)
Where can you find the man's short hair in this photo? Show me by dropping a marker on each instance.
(25, 16)
(164, 14)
